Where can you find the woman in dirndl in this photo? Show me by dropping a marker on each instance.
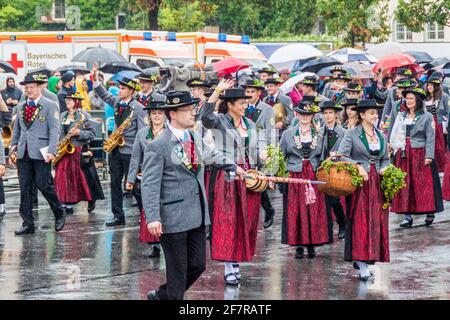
(234, 209)
(70, 183)
(446, 180)
(305, 220)
(413, 141)
(438, 104)
(349, 116)
(367, 230)
(156, 121)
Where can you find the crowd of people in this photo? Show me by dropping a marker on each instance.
(185, 155)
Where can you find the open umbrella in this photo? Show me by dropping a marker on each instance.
(436, 63)
(73, 67)
(115, 67)
(48, 72)
(125, 74)
(319, 63)
(359, 70)
(420, 56)
(290, 83)
(384, 49)
(351, 54)
(98, 55)
(394, 61)
(286, 56)
(7, 67)
(229, 66)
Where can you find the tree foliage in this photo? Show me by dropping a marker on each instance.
(416, 13)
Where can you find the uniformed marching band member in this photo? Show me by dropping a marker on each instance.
(5, 120)
(148, 93)
(264, 74)
(36, 127)
(70, 182)
(199, 88)
(126, 109)
(274, 96)
(328, 92)
(340, 82)
(367, 231)
(413, 141)
(353, 90)
(234, 209)
(438, 104)
(156, 119)
(446, 179)
(332, 134)
(305, 221)
(262, 115)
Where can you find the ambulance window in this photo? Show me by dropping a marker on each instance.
(144, 63)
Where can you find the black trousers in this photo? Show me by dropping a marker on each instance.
(36, 171)
(334, 203)
(118, 169)
(137, 194)
(185, 255)
(265, 201)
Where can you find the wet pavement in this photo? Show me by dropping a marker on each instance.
(90, 261)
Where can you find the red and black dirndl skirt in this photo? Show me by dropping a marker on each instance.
(234, 214)
(440, 146)
(145, 236)
(304, 224)
(367, 229)
(446, 181)
(423, 193)
(70, 183)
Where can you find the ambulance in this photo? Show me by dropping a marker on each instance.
(53, 49)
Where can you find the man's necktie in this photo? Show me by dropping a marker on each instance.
(122, 107)
(271, 100)
(249, 110)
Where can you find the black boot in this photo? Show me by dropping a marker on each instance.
(268, 220)
(407, 223)
(60, 222)
(24, 230)
(312, 252)
(69, 211)
(429, 220)
(91, 206)
(299, 253)
(341, 232)
(115, 222)
(155, 253)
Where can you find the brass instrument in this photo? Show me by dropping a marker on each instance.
(13, 156)
(279, 112)
(116, 138)
(7, 136)
(65, 146)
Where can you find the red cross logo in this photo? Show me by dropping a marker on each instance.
(14, 62)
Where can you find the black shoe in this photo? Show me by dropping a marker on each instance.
(231, 279)
(237, 274)
(69, 211)
(115, 222)
(341, 232)
(2, 215)
(429, 220)
(367, 278)
(91, 206)
(60, 223)
(155, 253)
(299, 253)
(268, 220)
(407, 223)
(312, 252)
(24, 230)
(152, 295)
(355, 265)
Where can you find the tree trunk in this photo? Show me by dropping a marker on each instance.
(153, 16)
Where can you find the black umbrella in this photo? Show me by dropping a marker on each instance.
(435, 63)
(73, 67)
(420, 56)
(7, 67)
(152, 70)
(116, 67)
(48, 72)
(98, 56)
(319, 63)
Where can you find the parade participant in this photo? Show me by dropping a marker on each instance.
(446, 180)
(332, 134)
(70, 182)
(438, 104)
(285, 75)
(400, 73)
(367, 230)
(82, 88)
(68, 80)
(350, 116)
(11, 95)
(274, 96)
(413, 141)
(234, 209)
(305, 222)
(353, 90)
(2, 173)
(143, 138)
(174, 197)
(125, 109)
(198, 90)
(340, 82)
(262, 115)
(36, 127)
(328, 91)
(266, 73)
(148, 93)
(54, 84)
(5, 120)
(399, 105)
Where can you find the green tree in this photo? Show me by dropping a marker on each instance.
(96, 14)
(355, 20)
(21, 15)
(416, 13)
(188, 16)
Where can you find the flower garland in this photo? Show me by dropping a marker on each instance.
(392, 182)
(357, 179)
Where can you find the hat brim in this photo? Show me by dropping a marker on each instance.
(146, 79)
(406, 91)
(73, 98)
(178, 105)
(22, 83)
(335, 108)
(235, 98)
(309, 83)
(126, 85)
(253, 86)
(353, 90)
(363, 108)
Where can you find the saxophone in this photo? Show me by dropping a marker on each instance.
(65, 146)
(116, 138)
